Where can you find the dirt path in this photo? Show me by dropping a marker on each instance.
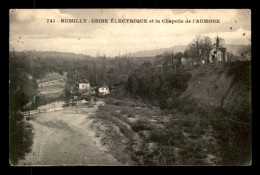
(65, 138)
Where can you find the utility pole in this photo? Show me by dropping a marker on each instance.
(76, 107)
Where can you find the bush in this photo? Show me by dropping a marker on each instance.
(234, 138)
(169, 103)
(21, 138)
(159, 136)
(109, 101)
(140, 125)
(185, 106)
(130, 112)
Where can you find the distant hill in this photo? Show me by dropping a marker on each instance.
(145, 53)
(53, 55)
(234, 48)
(181, 48)
(153, 53)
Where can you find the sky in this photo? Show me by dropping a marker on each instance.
(29, 29)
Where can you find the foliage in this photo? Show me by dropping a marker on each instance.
(151, 84)
(240, 70)
(234, 137)
(245, 51)
(20, 138)
(21, 90)
(199, 48)
(178, 141)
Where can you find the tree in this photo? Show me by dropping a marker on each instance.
(21, 89)
(199, 48)
(129, 84)
(169, 103)
(178, 56)
(231, 57)
(168, 59)
(95, 74)
(245, 51)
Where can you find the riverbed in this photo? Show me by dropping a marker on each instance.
(66, 138)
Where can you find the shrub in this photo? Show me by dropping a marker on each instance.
(21, 138)
(159, 136)
(140, 125)
(185, 106)
(130, 112)
(234, 138)
(109, 101)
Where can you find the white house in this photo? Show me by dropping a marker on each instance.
(218, 54)
(84, 84)
(103, 90)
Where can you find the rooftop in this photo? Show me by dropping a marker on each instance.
(83, 81)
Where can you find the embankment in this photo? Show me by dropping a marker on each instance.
(227, 86)
(223, 92)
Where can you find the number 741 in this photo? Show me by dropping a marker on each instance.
(50, 20)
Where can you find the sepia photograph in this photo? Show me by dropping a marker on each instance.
(130, 87)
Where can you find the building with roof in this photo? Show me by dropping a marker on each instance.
(83, 84)
(103, 90)
(219, 52)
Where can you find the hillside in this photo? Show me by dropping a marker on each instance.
(223, 93)
(52, 84)
(145, 53)
(220, 86)
(209, 124)
(53, 55)
(154, 52)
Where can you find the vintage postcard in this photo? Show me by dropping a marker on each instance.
(127, 87)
